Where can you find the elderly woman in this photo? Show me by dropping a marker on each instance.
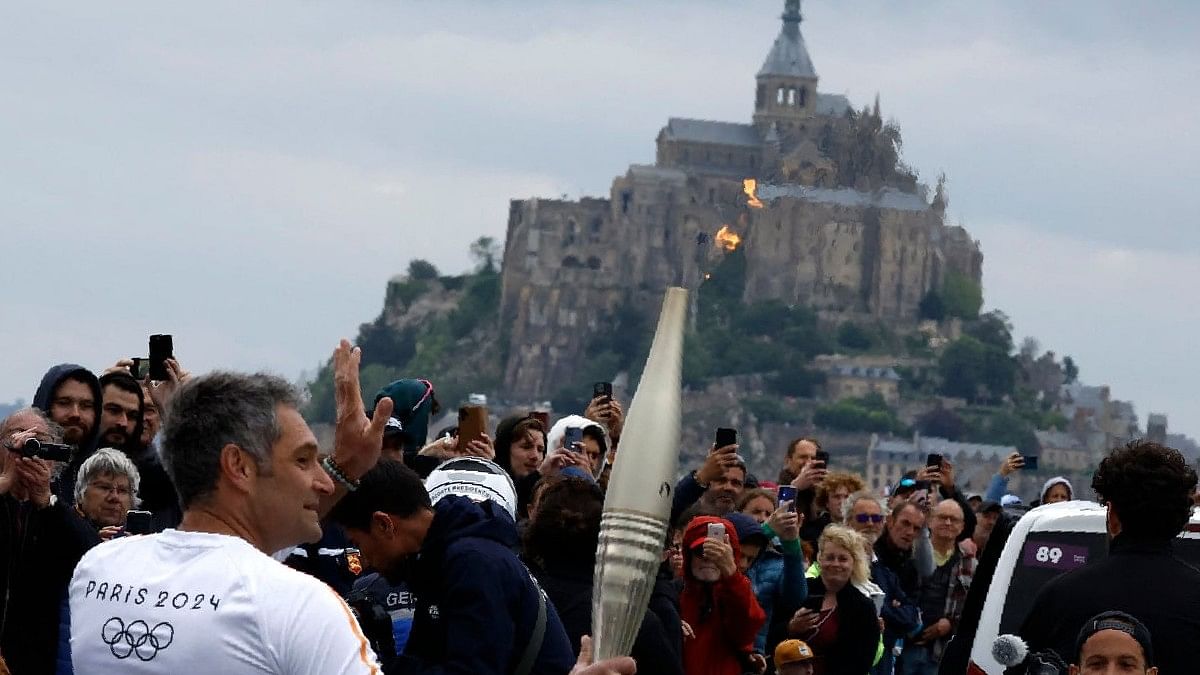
(106, 490)
(838, 622)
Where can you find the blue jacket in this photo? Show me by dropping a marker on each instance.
(779, 586)
(996, 489)
(477, 604)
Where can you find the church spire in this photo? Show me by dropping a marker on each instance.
(787, 81)
(791, 17)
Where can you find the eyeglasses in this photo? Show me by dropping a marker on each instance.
(869, 517)
(107, 488)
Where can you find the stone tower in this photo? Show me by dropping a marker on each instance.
(787, 81)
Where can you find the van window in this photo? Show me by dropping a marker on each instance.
(1045, 555)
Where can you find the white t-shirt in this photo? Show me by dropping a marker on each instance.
(180, 602)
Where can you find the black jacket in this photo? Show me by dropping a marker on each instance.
(1141, 577)
(664, 602)
(901, 564)
(38, 552)
(477, 604)
(858, 631)
(64, 487)
(571, 592)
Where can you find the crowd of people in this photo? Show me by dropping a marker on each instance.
(194, 521)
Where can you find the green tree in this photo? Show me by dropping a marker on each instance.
(961, 296)
(485, 251)
(932, 307)
(1070, 370)
(422, 269)
(941, 423)
(976, 371)
(993, 329)
(853, 336)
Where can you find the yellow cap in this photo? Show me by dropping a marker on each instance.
(791, 651)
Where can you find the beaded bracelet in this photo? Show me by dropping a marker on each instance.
(335, 472)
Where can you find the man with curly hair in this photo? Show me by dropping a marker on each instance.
(1148, 489)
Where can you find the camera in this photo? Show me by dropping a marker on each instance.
(375, 622)
(56, 452)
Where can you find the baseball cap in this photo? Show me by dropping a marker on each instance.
(1119, 621)
(475, 478)
(792, 651)
(1010, 500)
(393, 428)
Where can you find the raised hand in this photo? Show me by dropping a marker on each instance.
(813, 473)
(721, 552)
(786, 523)
(161, 392)
(357, 441)
(716, 463)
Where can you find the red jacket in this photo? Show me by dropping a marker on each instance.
(725, 632)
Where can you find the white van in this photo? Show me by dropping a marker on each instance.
(1045, 543)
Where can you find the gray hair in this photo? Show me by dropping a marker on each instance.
(6, 427)
(108, 461)
(860, 496)
(212, 411)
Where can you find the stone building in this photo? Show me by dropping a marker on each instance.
(850, 381)
(831, 220)
(974, 464)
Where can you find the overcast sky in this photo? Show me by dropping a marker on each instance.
(247, 176)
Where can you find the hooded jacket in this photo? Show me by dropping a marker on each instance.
(1057, 480)
(554, 437)
(724, 614)
(776, 576)
(477, 603)
(64, 486)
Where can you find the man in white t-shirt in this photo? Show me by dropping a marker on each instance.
(209, 597)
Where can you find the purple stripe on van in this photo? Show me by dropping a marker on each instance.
(1054, 556)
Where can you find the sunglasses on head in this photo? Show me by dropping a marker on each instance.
(869, 517)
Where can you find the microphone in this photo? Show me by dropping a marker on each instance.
(1009, 650)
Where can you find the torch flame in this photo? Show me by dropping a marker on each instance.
(728, 239)
(750, 187)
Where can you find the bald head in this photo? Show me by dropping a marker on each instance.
(947, 523)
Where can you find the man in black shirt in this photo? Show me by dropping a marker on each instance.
(1148, 491)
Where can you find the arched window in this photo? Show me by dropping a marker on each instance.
(780, 95)
(792, 96)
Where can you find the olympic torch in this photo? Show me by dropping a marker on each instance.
(637, 507)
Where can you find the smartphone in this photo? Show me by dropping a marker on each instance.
(161, 349)
(725, 436)
(813, 603)
(140, 368)
(787, 493)
(716, 531)
(472, 423)
(543, 417)
(602, 390)
(139, 522)
(934, 461)
(822, 457)
(1031, 462)
(572, 438)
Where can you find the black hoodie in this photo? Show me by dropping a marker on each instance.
(477, 603)
(64, 487)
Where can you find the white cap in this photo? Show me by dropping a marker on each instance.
(475, 478)
(1009, 500)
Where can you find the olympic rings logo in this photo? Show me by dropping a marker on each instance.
(136, 639)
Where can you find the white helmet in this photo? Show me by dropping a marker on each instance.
(475, 478)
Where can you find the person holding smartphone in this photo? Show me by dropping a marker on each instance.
(837, 621)
(718, 602)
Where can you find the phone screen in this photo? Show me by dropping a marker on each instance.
(934, 461)
(1031, 462)
(602, 390)
(725, 436)
(572, 438)
(787, 493)
(161, 348)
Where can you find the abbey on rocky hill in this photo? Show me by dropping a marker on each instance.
(811, 192)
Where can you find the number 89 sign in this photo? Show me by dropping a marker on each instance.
(1054, 556)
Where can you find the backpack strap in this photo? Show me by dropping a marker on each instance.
(525, 667)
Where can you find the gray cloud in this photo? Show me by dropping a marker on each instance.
(248, 176)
